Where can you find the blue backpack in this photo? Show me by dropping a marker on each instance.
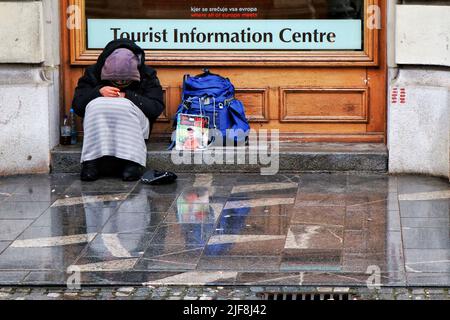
(212, 95)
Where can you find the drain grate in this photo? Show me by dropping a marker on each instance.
(306, 296)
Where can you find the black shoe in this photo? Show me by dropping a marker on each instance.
(155, 177)
(132, 171)
(89, 171)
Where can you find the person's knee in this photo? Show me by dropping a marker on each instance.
(98, 103)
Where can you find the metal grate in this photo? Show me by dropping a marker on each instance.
(305, 296)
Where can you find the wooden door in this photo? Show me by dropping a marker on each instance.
(308, 96)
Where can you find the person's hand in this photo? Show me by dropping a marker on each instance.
(110, 92)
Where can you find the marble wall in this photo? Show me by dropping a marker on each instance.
(419, 84)
(29, 85)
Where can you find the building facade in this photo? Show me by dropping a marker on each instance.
(378, 72)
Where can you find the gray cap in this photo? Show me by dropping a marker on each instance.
(121, 64)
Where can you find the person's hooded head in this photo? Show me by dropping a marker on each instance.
(121, 67)
(110, 48)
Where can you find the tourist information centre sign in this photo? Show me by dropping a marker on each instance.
(235, 34)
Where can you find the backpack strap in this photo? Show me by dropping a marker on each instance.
(186, 104)
(184, 86)
(228, 101)
(207, 72)
(172, 145)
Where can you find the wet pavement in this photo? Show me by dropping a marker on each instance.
(227, 229)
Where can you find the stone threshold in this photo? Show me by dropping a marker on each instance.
(292, 157)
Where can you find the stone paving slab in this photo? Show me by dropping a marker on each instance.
(225, 229)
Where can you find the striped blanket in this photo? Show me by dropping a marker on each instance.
(115, 127)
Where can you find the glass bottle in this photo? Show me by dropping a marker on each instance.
(65, 132)
(73, 128)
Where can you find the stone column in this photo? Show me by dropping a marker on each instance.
(29, 85)
(419, 83)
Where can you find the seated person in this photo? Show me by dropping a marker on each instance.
(119, 98)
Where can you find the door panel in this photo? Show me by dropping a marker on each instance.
(324, 105)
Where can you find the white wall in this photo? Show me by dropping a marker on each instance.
(21, 32)
(423, 35)
(29, 85)
(418, 127)
(24, 125)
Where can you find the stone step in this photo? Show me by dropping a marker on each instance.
(292, 157)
